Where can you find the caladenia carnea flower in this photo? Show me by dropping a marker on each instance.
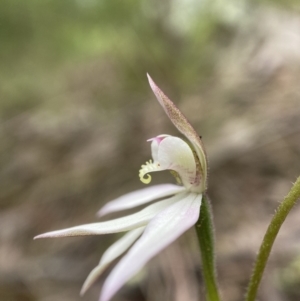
(157, 225)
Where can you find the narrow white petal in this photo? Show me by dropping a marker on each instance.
(113, 252)
(140, 197)
(121, 224)
(167, 226)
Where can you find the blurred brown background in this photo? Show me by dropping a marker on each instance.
(75, 113)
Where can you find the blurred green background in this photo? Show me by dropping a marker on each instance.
(75, 113)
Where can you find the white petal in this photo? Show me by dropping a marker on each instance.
(113, 252)
(167, 226)
(121, 224)
(140, 197)
(176, 154)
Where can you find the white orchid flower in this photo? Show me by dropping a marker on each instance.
(159, 224)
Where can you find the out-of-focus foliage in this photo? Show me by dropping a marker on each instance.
(284, 4)
(38, 38)
(76, 109)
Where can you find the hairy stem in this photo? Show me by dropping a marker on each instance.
(205, 233)
(270, 236)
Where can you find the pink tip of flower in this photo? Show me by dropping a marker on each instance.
(158, 139)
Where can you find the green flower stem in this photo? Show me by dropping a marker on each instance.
(270, 236)
(205, 233)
